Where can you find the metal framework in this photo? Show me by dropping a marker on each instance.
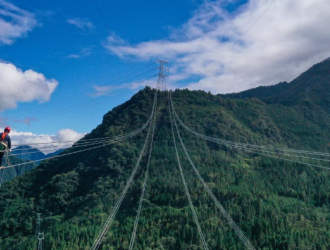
(38, 224)
(40, 239)
(161, 83)
(40, 235)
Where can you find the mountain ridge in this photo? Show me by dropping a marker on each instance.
(277, 204)
(312, 84)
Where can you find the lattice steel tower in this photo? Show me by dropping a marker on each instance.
(161, 83)
(40, 239)
(38, 224)
(40, 236)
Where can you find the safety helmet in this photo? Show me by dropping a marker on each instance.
(7, 129)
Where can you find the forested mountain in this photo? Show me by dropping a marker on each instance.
(277, 204)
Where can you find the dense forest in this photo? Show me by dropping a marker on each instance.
(277, 204)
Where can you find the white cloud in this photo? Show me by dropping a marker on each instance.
(114, 39)
(68, 135)
(83, 53)
(14, 22)
(289, 38)
(75, 56)
(102, 90)
(18, 86)
(108, 90)
(81, 23)
(30, 139)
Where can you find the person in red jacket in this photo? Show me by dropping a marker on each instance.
(5, 142)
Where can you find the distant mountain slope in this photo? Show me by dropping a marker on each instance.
(261, 92)
(12, 173)
(311, 86)
(33, 154)
(277, 204)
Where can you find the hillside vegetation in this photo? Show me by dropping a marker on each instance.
(277, 204)
(14, 172)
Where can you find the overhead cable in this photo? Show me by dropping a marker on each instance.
(79, 151)
(230, 221)
(132, 241)
(104, 144)
(202, 238)
(78, 97)
(98, 241)
(223, 142)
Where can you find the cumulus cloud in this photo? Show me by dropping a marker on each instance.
(289, 38)
(14, 22)
(23, 86)
(81, 23)
(30, 139)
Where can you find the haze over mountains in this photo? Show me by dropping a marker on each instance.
(25, 154)
(12, 173)
(33, 154)
(277, 204)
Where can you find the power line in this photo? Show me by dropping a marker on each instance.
(97, 243)
(57, 156)
(81, 141)
(222, 142)
(50, 150)
(187, 191)
(230, 221)
(132, 75)
(68, 107)
(3, 169)
(144, 185)
(86, 105)
(261, 147)
(117, 139)
(239, 146)
(107, 26)
(78, 144)
(248, 29)
(104, 21)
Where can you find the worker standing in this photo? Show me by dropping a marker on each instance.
(5, 142)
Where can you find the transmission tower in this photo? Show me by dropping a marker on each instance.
(161, 83)
(40, 239)
(40, 235)
(38, 224)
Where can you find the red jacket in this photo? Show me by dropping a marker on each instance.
(7, 140)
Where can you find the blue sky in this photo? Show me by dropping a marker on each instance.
(52, 46)
(57, 52)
